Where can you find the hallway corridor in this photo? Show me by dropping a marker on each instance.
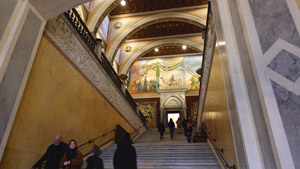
(153, 153)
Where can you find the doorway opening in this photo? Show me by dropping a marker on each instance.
(174, 116)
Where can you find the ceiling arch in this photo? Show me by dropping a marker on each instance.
(121, 37)
(127, 64)
(98, 14)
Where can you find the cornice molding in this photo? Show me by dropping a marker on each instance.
(69, 42)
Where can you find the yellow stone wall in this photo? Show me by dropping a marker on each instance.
(216, 112)
(57, 100)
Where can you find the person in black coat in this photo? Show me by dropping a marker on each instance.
(171, 126)
(53, 154)
(189, 132)
(94, 162)
(125, 155)
(184, 124)
(161, 129)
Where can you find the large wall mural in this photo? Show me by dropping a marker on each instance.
(149, 110)
(165, 73)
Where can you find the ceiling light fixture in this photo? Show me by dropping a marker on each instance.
(123, 3)
(156, 49)
(184, 47)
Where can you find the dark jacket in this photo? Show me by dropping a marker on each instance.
(171, 124)
(161, 127)
(189, 130)
(52, 156)
(125, 156)
(76, 160)
(94, 162)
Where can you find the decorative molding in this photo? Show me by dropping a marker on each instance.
(164, 37)
(69, 42)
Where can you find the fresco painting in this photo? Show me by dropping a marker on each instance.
(194, 108)
(149, 111)
(164, 73)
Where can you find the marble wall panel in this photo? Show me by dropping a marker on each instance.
(16, 68)
(258, 115)
(289, 107)
(6, 8)
(273, 20)
(286, 64)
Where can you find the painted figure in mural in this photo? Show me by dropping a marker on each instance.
(139, 87)
(161, 129)
(171, 126)
(189, 131)
(194, 83)
(145, 87)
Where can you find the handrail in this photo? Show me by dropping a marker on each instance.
(75, 20)
(88, 142)
(212, 140)
(93, 140)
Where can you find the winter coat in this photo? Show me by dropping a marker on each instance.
(94, 162)
(189, 130)
(161, 127)
(171, 124)
(76, 161)
(125, 156)
(52, 156)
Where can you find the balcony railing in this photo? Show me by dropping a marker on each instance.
(75, 20)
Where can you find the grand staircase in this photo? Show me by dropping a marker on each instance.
(175, 154)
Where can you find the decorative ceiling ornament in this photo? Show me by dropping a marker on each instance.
(118, 25)
(128, 49)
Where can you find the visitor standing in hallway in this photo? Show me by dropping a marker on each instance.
(178, 122)
(184, 124)
(53, 154)
(161, 129)
(94, 162)
(171, 126)
(189, 131)
(72, 159)
(125, 155)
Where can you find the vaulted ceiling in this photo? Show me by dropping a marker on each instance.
(169, 28)
(135, 6)
(170, 49)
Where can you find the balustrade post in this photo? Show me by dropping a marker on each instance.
(98, 48)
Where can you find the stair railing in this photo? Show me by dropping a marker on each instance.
(74, 18)
(219, 151)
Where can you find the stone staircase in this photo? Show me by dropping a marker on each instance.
(175, 154)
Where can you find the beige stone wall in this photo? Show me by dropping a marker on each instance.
(216, 112)
(57, 100)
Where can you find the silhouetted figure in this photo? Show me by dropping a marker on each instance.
(184, 124)
(161, 129)
(178, 122)
(94, 162)
(53, 154)
(171, 126)
(125, 155)
(73, 158)
(189, 131)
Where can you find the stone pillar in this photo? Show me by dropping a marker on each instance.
(98, 48)
(161, 114)
(20, 36)
(263, 42)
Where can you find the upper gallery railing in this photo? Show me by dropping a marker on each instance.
(75, 20)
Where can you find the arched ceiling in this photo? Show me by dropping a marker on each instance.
(170, 49)
(136, 6)
(168, 28)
